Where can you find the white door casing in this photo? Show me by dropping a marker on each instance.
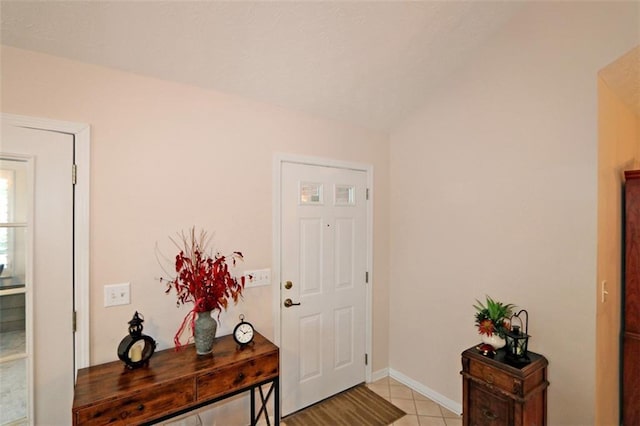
(81, 134)
(60, 257)
(324, 252)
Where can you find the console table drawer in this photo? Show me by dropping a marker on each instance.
(139, 407)
(232, 378)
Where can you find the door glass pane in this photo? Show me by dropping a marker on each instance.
(13, 391)
(12, 325)
(13, 191)
(13, 218)
(13, 259)
(13, 252)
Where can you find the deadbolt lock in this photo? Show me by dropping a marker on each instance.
(288, 285)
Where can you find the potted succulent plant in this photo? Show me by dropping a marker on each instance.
(492, 320)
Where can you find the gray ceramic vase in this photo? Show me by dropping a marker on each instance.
(204, 332)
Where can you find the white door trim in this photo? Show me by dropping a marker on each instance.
(81, 134)
(278, 160)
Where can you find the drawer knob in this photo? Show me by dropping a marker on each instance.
(140, 407)
(240, 377)
(489, 414)
(488, 377)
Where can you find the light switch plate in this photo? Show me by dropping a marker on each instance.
(117, 294)
(257, 277)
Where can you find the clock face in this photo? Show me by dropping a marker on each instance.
(243, 333)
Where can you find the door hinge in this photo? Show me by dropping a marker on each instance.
(75, 323)
(367, 193)
(366, 359)
(366, 277)
(74, 174)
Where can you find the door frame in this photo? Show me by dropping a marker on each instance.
(82, 135)
(278, 160)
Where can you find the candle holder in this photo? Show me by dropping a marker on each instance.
(517, 340)
(136, 349)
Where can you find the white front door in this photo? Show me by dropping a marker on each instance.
(323, 270)
(37, 232)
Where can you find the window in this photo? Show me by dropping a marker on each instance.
(6, 182)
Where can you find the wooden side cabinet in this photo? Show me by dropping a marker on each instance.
(495, 393)
(631, 303)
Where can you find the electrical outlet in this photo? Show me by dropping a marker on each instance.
(117, 294)
(257, 277)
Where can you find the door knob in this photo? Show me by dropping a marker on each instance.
(288, 285)
(289, 303)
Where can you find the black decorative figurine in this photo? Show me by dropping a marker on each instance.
(136, 348)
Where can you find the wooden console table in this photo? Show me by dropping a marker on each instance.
(175, 383)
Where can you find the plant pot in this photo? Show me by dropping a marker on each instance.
(204, 332)
(494, 340)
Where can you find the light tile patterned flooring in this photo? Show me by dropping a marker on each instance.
(421, 411)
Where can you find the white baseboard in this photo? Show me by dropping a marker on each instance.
(426, 391)
(380, 374)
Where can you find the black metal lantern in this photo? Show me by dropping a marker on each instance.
(136, 348)
(517, 340)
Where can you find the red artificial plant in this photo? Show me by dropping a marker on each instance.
(202, 279)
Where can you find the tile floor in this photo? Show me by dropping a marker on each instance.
(421, 411)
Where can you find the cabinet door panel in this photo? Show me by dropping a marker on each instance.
(631, 380)
(487, 408)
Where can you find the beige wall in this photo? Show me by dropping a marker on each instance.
(167, 156)
(494, 191)
(618, 150)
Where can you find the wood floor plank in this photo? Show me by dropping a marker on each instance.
(356, 406)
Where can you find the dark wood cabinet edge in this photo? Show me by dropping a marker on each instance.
(631, 335)
(631, 174)
(538, 362)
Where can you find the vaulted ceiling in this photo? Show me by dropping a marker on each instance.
(368, 63)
